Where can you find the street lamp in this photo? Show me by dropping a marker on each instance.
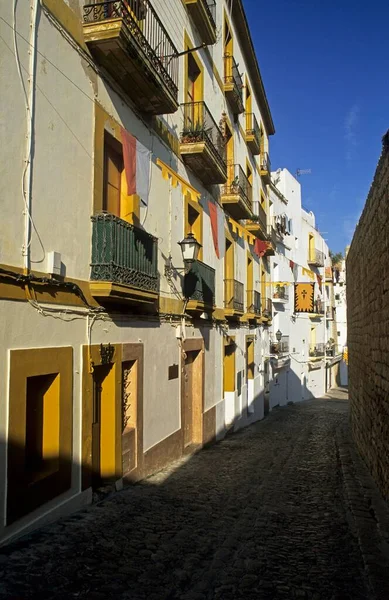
(190, 249)
(278, 335)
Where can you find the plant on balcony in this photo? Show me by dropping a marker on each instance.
(194, 133)
(235, 185)
(279, 291)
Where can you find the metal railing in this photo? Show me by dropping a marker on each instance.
(234, 294)
(280, 292)
(145, 26)
(330, 313)
(253, 302)
(316, 350)
(265, 164)
(331, 349)
(239, 184)
(123, 253)
(267, 308)
(259, 215)
(210, 7)
(316, 257)
(199, 283)
(200, 126)
(232, 76)
(318, 307)
(280, 347)
(252, 127)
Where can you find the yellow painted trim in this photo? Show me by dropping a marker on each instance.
(27, 491)
(68, 19)
(107, 289)
(198, 228)
(13, 290)
(171, 306)
(199, 84)
(186, 187)
(218, 314)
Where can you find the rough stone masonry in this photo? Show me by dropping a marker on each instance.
(368, 326)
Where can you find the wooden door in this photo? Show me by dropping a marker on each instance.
(103, 425)
(129, 415)
(188, 398)
(99, 374)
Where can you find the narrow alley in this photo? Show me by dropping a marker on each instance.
(271, 512)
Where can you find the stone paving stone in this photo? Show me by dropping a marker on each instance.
(266, 514)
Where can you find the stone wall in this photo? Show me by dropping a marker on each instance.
(368, 326)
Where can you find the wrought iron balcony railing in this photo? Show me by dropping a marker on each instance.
(210, 7)
(316, 350)
(234, 294)
(238, 184)
(280, 292)
(259, 215)
(265, 164)
(267, 307)
(318, 307)
(280, 347)
(252, 128)
(199, 284)
(123, 253)
(145, 26)
(233, 79)
(200, 126)
(253, 302)
(316, 257)
(330, 313)
(331, 349)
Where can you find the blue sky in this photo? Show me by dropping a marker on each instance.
(325, 67)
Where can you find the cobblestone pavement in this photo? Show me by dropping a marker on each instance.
(264, 514)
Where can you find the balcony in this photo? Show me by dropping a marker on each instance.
(257, 223)
(253, 304)
(267, 310)
(237, 195)
(233, 298)
(124, 261)
(331, 349)
(202, 144)
(127, 38)
(316, 350)
(328, 274)
(316, 257)
(253, 134)
(281, 347)
(318, 310)
(233, 85)
(280, 294)
(199, 288)
(330, 313)
(265, 166)
(203, 14)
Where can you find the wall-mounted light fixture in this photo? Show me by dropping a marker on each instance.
(278, 335)
(190, 249)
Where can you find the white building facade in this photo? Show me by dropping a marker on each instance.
(126, 127)
(303, 354)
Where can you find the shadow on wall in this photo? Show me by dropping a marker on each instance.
(172, 537)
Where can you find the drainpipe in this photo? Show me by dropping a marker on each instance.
(30, 112)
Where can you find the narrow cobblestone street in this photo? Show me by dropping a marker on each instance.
(264, 514)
